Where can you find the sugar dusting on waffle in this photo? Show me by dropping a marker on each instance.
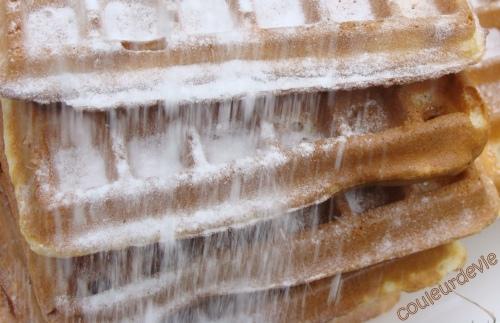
(51, 29)
(241, 160)
(131, 21)
(210, 50)
(84, 180)
(268, 259)
(279, 13)
(145, 163)
(350, 10)
(417, 8)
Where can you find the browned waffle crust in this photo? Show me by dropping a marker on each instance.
(352, 297)
(380, 284)
(326, 241)
(85, 59)
(408, 133)
(486, 75)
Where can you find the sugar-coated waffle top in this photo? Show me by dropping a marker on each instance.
(86, 180)
(355, 229)
(106, 53)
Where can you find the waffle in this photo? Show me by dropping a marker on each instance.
(356, 229)
(17, 301)
(486, 75)
(95, 181)
(379, 286)
(351, 297)
(101, 54)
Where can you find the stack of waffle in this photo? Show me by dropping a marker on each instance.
(486, 75)
(274, 160)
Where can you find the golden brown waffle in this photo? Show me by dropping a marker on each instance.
(359, 296)
(107, 53)
(17, 301)
(357, 229)
(94, 181)
(486, 75)
(490, 158)
(351, 297)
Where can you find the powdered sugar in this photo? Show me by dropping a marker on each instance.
(175, 84)
(51, 30)
(156, 156)
(279, 13)
(92, 5)
(354, 200)
(349, 10)
(370, 117)
(417, 8)
(477, 3)
(246, 5)
(130, 186)
(490, 92)
(384, 245)
(204, 17)
(133, 233)
(79, 168)
(171, 226)
(485, 3)
(215, 24)
(230, 146)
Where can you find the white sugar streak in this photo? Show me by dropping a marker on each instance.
(234, 78)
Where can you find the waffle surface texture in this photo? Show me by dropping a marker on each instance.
(241, 159)
(101, 54)
(95, 181)
(354, 230)
(486, 75)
